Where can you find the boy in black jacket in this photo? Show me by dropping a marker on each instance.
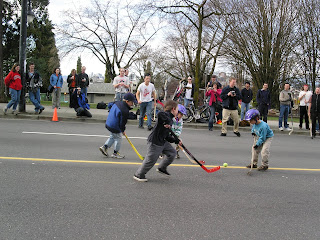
(158, 142)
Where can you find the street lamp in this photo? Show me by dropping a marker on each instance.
(26, 16)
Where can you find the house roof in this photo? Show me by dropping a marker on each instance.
(99, 88)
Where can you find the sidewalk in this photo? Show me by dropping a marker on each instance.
(100, 116)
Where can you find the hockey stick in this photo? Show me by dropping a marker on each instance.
(291, 123)
(310, 128)
(202, 162)
(133, 147)
(249, 173)
(190, 154)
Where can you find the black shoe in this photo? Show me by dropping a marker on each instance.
(164, 172)
(140, 179)
(263, 168)
(210, 129)
(237, 133)
(177, 156)
(141, 127)
(41, 110)
(150, 128)
(223, 134)
(313, 136)
(253, 166)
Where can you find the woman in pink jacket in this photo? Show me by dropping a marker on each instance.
(214, 94)
(13, 81)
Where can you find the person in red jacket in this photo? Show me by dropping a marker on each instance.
(214, 94)
(13, 81)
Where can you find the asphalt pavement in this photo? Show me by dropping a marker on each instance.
(56, 184)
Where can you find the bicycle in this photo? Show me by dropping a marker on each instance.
(201, 113)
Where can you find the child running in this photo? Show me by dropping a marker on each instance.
(178, 124)
(262, 139)
(158, 142)
(116, 124)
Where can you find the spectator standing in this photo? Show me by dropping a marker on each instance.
(189, 91)
(33, 83)
(264, 102)
(214, 94)
(304, 98)
(121, 85)
(246, 97)
(83, 80)
(144, 96)
(285, 99)
(314, 110)
(56, 81)
(230, 96)
(80, 103)
(13, 81)
(72, 82)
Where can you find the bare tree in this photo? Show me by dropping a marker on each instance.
(262, 37)
(308, 49)
(113, 33)
(196, 37)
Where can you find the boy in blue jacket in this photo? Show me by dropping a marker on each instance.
(262, 139)
(116, 124)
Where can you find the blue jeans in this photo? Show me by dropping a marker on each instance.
(212, 115)
(284, 113)
(84, 90)
(15, 98)
(116, 139)
(35, 99)
(187, 102)
(244, 108)
(145, 107)
(119, 96)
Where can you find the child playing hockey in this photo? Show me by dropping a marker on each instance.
(262, 139)
(116, 124)
(158, 142)
(178, 124)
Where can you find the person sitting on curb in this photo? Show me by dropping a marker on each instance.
(80, 103)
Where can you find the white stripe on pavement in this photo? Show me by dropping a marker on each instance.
(77, 134)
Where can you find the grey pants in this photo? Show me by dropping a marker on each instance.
(152, 156)
(264, 149)
(56, 93)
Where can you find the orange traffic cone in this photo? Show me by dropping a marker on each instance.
(55, 115)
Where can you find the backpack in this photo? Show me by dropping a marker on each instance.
(101, 105)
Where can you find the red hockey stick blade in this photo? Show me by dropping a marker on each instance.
(210, 170)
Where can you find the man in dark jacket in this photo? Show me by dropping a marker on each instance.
(264, 101)
(116, 124)
(83, 80)
(314, 110)
(80, 103)
(246, 97)
(230, 96)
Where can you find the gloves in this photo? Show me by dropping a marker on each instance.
(255, 146)
(253, 134)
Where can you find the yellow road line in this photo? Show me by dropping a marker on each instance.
(139, 163)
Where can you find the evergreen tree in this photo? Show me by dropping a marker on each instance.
(79, 65)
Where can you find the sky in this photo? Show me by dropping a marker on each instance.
(56, 7)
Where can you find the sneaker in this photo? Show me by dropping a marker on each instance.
(150, 128)
(141, 127)
(41, 110)
(281, 128)
(140, 179)
(263, 168)
(210, 129)
(164, 172)
(287, 129)
(5, 109)
(177, 156)
(223, 134)
(253, 166)
(104, 150)
(117, 155)
(237, 133)
(15, 112)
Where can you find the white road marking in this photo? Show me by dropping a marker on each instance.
(78, 135)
